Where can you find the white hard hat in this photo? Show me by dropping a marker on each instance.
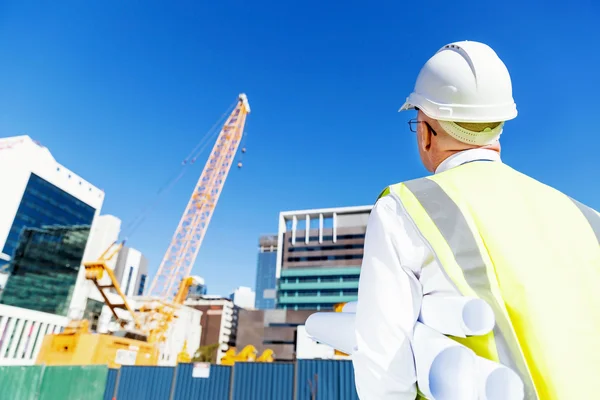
(464, 82)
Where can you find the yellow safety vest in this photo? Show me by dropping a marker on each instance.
(533, 254)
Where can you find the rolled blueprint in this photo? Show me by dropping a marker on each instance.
(446, 370)
(333, 329)
(350, 307)
(457, 316)
(497, 382)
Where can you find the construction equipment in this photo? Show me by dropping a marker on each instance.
(143, 331)
(247, 354)
(187, 239)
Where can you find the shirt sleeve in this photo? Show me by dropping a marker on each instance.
(389, 300)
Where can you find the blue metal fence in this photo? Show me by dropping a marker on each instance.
(326, 379)
(215, 387)
(111, 384)
(262, 381)
(145, 383)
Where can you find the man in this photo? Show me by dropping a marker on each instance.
(478, 228)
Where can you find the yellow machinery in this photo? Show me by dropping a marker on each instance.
(135, 346)
(247, 354)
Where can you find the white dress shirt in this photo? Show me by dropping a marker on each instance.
(398, 269)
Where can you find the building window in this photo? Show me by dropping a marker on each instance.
(128, 284)
(326, 258)
(327, 248)
(329, 238)
(142, 284)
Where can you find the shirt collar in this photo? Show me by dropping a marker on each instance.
(465, 156)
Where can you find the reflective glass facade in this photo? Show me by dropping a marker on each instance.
(265, 279)
(46, 242)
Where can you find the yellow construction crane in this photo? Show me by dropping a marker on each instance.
(148, 327)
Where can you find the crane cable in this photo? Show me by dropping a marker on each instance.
(136, 222)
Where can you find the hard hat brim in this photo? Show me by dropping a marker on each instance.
(406, 106)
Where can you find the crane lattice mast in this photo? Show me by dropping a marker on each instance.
(181, 254)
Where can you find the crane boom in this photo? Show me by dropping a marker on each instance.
(181, 254)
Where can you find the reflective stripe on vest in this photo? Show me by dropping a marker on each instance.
(451, 223)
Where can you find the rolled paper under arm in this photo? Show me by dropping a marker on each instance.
(497, 382)
(457, 316)
(350, 307)
(446, 370)
(333, 329)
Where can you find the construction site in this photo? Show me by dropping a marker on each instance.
(158, 329)
(192, 195)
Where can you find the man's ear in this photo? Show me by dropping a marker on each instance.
(425, 138)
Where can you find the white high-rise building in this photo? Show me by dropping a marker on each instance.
(46, 215)
(44, 208)
(243, 297)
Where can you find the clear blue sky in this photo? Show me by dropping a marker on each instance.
(120, 93)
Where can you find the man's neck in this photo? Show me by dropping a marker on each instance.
(446, 154)
(465, 156)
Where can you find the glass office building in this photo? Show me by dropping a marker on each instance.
(266, 269)
(46, 242)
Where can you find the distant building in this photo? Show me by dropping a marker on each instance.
(131, 271)
(243, 297)
(319, 257)
(271, 329)
(219, 324)
(198, 290)
(266, 270)
(105, 232)
(43, 203)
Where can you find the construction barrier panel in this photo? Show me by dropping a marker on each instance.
(264, 381)
(202, 381)
(73, 383)
(111, 384)
(347, 383)
(20, 383)
(145, 383)
(325, 380)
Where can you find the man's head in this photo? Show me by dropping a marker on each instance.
(463, 95)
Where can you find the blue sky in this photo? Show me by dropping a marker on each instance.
(121, 93)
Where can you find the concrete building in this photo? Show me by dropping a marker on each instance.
(219, 323)
(243, 297)
(105, 232)
(131, 271)
(43, 201)
(266, 271)
(199, 290)
(319, 257)
(271, 329)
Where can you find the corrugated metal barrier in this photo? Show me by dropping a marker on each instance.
(38, 382)
(347, 384)
(272, 381)
(325, 379)
(145, 383)
(214, 387)
(111, 384)
(74, 383)
(20, 383)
